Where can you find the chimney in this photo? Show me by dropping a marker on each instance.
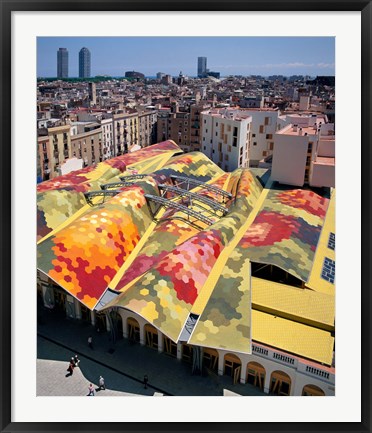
(294, 128)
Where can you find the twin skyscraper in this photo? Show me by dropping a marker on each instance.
(84, 63)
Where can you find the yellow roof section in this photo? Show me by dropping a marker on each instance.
(292, 337)
(316, 282)
(301, 305)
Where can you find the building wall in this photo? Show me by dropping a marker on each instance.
(326, 147)
(226, 141)
(59, 148)
(88, 147)
(147, 128)
(300, 371)
(44, 157)
(107, 126)
(322, 175)
(195, 126)
(125, 132)
(263, 130)
(289, 159)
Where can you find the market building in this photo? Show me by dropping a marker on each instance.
(228, 271)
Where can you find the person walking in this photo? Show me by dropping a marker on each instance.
(145, 380)
(90, 390)
(101, 383)
(70, 368)
(76, 361)
(90, 341)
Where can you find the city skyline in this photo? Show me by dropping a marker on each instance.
(265, 55)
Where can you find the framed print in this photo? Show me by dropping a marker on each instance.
(184, 188)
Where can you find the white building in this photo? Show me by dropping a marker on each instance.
(304, 155)
(263, 129)
(226, 137)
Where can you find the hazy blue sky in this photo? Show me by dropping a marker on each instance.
(227, 55)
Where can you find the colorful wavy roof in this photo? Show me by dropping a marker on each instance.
(60, 198)
(166, 269)
(286, 231)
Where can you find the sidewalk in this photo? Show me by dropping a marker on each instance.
(123, 364)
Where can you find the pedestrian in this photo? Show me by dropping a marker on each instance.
(90, 341)
(101, 383)
(90, 390)
(145, 380)
(76, 361)
(70, 368)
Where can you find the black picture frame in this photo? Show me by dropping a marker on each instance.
(7, 7)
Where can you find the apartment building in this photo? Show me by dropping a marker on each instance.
(125, 129)
(263, 130)
(86, 142)
(54, 147)
(174, 126)
(304, 155)
(195, 126)
(147, 127)
(107, 137)
(226, 137)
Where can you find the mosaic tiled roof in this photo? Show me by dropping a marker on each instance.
(177, 271)
(286, 231)
(167, 268)
(60, 198)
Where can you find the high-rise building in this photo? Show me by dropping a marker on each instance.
(62, 63)
(202, 66)
(84, 63)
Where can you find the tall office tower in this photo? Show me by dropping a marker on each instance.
(84, 63)
(62, 63)
(202, 66)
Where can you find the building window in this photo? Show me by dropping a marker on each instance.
(328, 270)
(255, 143)
(269, 136)
(332, 241)
(235, 133)
(235, 141)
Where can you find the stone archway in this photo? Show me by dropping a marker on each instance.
(232, 367)
(256, 374)
(151, 336)
(210, 359)
(280, 383)
(133, 330)
(312, 390)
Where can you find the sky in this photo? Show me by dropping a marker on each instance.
(228, 55)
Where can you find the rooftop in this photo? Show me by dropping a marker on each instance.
(166, 264)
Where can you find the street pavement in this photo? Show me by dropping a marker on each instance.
(122, 364)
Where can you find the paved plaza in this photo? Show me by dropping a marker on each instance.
(123, 366)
